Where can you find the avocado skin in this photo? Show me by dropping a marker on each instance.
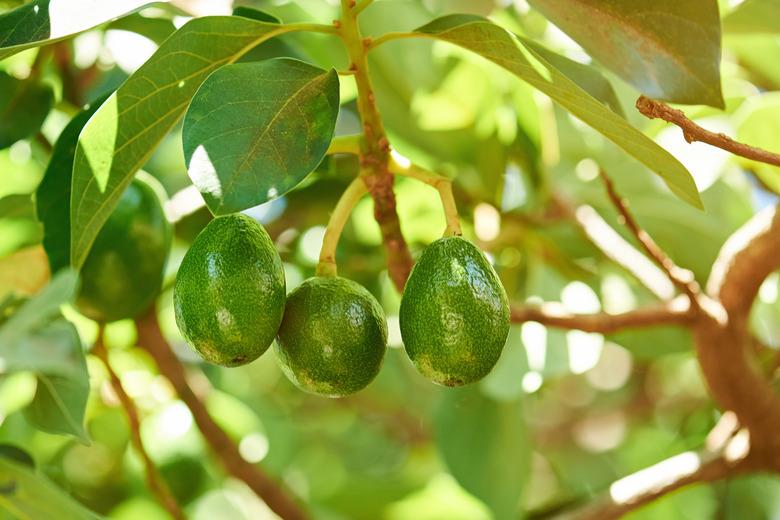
(333, 337)
(454, 315)
(229, 293)
(124, 270)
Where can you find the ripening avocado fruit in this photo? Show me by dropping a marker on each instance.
(333, 336)
(454, 314)
(229, 293)
(124, 269)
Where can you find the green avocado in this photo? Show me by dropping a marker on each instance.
(229, 291)
(454, 314)
(124, 270)
(333, 337)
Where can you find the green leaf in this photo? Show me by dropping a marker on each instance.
(123, 133)
(156, 29)
(17, 206)
(255, 14)
(668, 49)
(24, 104)
(60, 401)
(758, 123)
(28, 494)
(53, 193)
(45, 21)
(255, 130)
(518, 57)
(486, 447)
(754, 16)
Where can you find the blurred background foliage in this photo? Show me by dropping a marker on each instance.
(562, 416)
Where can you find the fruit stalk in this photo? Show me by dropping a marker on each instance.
(442, 184)
(339, 217)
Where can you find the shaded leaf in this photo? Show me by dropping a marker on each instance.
(24, 104)
(518, 57)
(255, 14)
(754, 16)
(123, 133)
(45, 21)
(667, 49)
(255, 130)
(31, 495)
(485, 446)
(53, 193)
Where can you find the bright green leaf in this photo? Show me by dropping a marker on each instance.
(518, 57)
(45, 21)
(53, 194)
(123, 133)
(255, 130)
(754, 16)
(24, 104)
(486, 447)
(28, 494)
(758, 123)
(667, 49)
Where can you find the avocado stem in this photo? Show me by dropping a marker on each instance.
(347, 144)
(338, 219)
(442, 184)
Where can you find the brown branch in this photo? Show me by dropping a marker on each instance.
(680, 277)
(659, 480)
(676, 312)
(692, 132)
(154, 480)
(274, 495)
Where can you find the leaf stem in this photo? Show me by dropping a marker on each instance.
(392, 36)
(442, 184)
(338, 219)
(311, 27)
(349, 144)
(361, 6)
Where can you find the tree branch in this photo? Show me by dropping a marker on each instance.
(693, 132)
(675, 312)
(151, 338)
(682, 278)
(154, 480)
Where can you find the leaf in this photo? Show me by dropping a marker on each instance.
(53, 193)
(40, 309)
(486, 447)
(29, 494)
(668, 49)
(24, 272)
(124, 131)
(255, 14)
(24, 104)
(156, 29)
(518, 57)
(754, 16)
(17, 206)
(60, 401)
(255, 130)
(45, 21)
(758, 123)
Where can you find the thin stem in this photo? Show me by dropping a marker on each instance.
(442, 184)
(349, 144)
(339, 217)
(153, 478)
(312, 27)
(361, 6)
(392, 36)
(653, 109)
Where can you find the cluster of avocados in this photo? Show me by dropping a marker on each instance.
(331, 334)
(230, 301)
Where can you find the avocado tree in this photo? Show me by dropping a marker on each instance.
(422, 259)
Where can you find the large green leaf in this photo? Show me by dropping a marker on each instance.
(60, 402)
(123, 133)
(518, 57)
(668, 49)
(53, 194)
(255, 130)
(754, 16)
(45, 21)
(758, 123)
(486, 447)
(28, 494)
(24, 104)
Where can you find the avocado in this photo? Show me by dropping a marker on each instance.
(454, 315)
(333, 336)
(124, 270)
(229, 293)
